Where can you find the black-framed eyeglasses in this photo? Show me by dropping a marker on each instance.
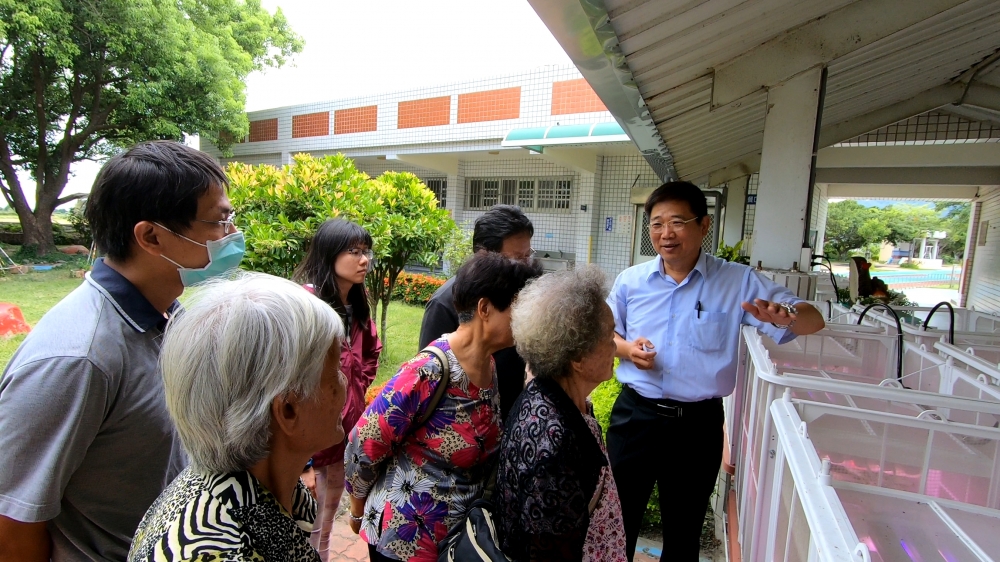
(227, 225)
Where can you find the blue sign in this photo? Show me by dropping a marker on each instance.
(752, 199)
(609, 224)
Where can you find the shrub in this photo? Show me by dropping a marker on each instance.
(373, 391)
(414, 288)
(909, 264)
(603, 398)
(458, 248)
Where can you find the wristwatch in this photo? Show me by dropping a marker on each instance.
(790, 309)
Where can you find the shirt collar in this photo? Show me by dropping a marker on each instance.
(701, 266)
(127, 299)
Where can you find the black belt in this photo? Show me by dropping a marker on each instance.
(672, 408)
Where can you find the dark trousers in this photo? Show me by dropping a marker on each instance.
(679, 450)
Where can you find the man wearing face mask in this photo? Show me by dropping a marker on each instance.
(87, 443)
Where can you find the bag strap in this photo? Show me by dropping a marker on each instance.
(442, 386)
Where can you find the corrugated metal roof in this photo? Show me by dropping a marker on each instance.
(673, 49)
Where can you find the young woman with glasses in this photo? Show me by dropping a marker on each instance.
(334, 269)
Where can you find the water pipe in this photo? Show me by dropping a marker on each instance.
(899, 336)
(833, 279)
(951, 314)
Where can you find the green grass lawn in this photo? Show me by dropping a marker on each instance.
(35, 293)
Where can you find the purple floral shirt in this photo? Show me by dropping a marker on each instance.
(420, 481)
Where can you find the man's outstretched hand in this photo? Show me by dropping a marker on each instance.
(767, 311)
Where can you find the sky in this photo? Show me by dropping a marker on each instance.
(357, 48)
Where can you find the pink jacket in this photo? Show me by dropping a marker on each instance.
(359, 363)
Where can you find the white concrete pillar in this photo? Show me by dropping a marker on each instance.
(786, 161)
(736, 204)
(923, 248)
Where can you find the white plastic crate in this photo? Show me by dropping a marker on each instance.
(941, 504)
(844, 367)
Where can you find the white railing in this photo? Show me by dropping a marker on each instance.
(852, 369)
(933, 497)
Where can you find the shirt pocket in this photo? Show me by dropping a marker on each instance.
(709, 331)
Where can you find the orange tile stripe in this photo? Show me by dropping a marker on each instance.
(424, 113)
(355, 120)
(264, 130)
(491, 105)
(311, 125)
(574, 96)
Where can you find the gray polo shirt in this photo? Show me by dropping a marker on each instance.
(85, 440)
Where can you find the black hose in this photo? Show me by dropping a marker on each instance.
(833, 278)
(899, 336)
(951, 314)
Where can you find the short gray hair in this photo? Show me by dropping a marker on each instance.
(556, 319)
(239, 344)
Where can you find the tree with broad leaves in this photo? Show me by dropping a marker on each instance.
(80, 80)
(280, 209)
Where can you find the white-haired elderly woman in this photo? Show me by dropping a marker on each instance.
(252, 382)
(556, 498)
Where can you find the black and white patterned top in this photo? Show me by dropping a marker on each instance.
(224, 518)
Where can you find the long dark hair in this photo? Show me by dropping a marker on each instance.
(334, 237)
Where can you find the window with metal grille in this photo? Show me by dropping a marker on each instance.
(645, 244)
(491, 189)
(475, 194)
(508, 192)
(708, 242)
(526, 194)
(750, 210)
(440, 189)
(543, 194)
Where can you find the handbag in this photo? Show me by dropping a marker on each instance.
(475, 538)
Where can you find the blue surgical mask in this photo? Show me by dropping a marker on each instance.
(224, 255)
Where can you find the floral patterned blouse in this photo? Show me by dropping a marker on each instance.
(419, 480)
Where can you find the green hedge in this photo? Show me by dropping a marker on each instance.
(603, 398)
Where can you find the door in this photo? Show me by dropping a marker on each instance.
(642, 247)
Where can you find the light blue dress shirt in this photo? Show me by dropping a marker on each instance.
(696, 352)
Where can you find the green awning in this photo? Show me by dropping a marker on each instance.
(588, 133)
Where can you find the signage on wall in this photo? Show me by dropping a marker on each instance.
(752, 199)
(609, 224)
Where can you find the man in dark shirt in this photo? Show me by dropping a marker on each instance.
(504, 229)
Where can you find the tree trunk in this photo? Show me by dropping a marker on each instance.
(37, 231)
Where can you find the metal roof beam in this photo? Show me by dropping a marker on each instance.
(921, 103)
(911, 176)
(817, 43)
(974, 94)
(910, 156)
(973, 113)
(895, 191)
(982, 96)
(583, 29)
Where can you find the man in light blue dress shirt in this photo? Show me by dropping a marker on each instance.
(677, 324)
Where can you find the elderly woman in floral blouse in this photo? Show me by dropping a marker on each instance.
(409, 484)
(556, 498)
